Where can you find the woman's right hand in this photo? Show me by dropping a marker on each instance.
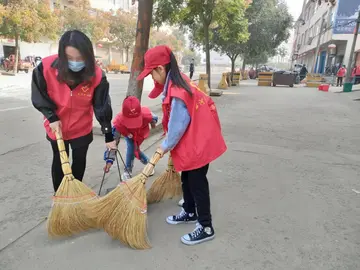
(56, 126)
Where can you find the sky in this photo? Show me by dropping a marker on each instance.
(295, 7)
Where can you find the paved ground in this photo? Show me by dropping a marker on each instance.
(284, 196)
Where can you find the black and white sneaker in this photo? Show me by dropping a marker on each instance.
(199, 235)
(183, 217)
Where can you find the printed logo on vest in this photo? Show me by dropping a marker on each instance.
(200, 102)
(84, 91)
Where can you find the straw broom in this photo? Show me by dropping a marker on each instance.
(123, 212)
(166, 186)
(68, 215)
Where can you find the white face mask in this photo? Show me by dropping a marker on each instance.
(76, 66)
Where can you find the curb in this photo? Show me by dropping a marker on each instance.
(216, 93)
(7, 73)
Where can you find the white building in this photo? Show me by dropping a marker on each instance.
(98, 4)
(111, 4)
(338, 19)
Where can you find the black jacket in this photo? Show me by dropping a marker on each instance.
(101, 101)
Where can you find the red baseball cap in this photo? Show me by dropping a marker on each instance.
(154, 57)
(158, 89)
(131, 115)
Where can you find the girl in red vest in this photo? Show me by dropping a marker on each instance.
(67, 89)
(132, 123)
(193, 137)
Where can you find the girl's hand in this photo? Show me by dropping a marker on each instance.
(111, 145)
(161, 151)
(107, 167)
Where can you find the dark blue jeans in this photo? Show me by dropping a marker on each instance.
(130, 155)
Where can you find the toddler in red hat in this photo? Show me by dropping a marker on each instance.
(133, 122)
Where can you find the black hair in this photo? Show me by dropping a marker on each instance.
(175, 74)
(80, 41)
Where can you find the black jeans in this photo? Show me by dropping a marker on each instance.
(78, 165)
(196, 192)
(339, 81)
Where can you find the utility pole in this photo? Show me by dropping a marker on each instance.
(349, 67)
(318, 46)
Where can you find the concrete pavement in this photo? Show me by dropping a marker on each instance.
(284, 196)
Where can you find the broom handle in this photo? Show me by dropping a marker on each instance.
(170, 162)
(150, 166)
(64, 159)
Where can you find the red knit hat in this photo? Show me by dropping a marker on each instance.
(131, 115)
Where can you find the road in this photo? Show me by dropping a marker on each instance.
(284, 196)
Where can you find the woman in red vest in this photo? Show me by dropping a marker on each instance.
(194, 138)
(67, 89)
(340, 75)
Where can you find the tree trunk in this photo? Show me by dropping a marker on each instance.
(244, 65)
(127, 54)
(16, 53)
(141, 45)
(207, 52)
(233, 59)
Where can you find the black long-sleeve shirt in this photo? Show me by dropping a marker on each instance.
(101, 101)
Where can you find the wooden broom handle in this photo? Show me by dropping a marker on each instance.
(150, 166)
(64, 159)
(170, 163)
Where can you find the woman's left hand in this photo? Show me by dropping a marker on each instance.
(111, 145)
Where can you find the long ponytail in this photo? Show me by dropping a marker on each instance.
(175, 74)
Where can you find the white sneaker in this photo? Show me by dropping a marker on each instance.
(126, 176)
(152, 173)
(181, 202)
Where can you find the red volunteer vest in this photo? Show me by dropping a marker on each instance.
(74, 108)
(139, 134)
(341, 72)
(202, 142)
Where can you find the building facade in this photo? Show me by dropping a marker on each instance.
(106, 5)
(333, 22)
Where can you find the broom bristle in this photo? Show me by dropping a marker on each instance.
(123, 213)
(128, 222)
(101, 209)
(68, 214)
(166, 186)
